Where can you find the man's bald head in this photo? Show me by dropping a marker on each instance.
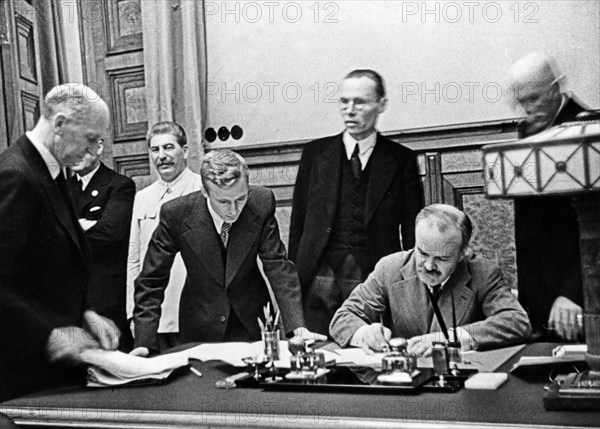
(73, 123)
(536, 88)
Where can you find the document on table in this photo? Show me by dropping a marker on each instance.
(113, 368)
(487, 361)
(233, 353)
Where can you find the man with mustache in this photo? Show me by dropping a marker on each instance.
(354, 193)
(546, 228)
(440, 267)
(167, 145)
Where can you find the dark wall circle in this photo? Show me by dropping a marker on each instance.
(223, 133)
(210, 135)
(237, 132)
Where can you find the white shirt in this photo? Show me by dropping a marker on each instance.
(85, 180)
(146, 208)
(365, 147)
(215, 217)
(49, 160)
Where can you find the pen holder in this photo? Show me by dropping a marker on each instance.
(439, 355)
(270, 341)
(454, 357)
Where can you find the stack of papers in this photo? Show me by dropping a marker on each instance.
(114, 368)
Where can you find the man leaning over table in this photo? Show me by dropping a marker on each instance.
(487, 314)
(219, 232)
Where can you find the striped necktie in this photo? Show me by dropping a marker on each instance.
(225, 228)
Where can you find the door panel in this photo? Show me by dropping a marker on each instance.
(114, 67)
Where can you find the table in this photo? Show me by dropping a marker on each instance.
(190, 401)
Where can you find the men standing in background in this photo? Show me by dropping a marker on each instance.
(546, 228)
(167, 145)
(103, 202)
(44, 256)
(355, 194)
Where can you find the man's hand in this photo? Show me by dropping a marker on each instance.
(67, 343)
(374, 337)
(564, 317)
(303, 334)
(103, 330)
(421, 344)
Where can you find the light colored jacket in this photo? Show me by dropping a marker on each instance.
(485, 306)
(146, 209)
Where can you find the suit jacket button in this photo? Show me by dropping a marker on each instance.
(223, 319)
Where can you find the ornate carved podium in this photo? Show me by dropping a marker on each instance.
(563, 160)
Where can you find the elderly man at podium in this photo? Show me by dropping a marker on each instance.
(546, 228)
(441, 268)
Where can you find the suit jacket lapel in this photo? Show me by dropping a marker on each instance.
(61, 210)
(379, 177)
(415, 298)
(328, 167)
(457, 285)
(202, 238)
(241, 239)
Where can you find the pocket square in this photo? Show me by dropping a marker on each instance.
(95, 208)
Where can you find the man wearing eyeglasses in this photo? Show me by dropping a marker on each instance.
(354, 193)
(546, 229)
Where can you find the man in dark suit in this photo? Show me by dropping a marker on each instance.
(44, 268)
(546, 228)
(442, 268)
(355, 192)
(104, 203)
(220, 232)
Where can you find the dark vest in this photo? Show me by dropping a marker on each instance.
(349, 232)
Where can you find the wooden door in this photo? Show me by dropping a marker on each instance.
(114, 67)
(20, 89)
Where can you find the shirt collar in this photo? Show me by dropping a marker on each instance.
(85, 180)
(215, 217)
(365, 146)
(49, 160)
(563, 103)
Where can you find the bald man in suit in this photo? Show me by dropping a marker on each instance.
(546, 228)
(104, 202)
(403, 285)
(46, 324)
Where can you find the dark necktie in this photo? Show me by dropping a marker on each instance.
(435, 293)
(225, 228)
(61, 182)
(355, 163)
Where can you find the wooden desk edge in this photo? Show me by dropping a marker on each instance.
(115, 419)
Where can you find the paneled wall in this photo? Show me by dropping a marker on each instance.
(114, 67)
(450, 165)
